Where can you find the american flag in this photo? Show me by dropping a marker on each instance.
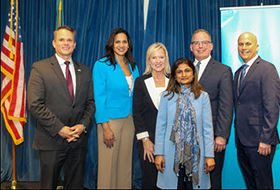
(13, 93)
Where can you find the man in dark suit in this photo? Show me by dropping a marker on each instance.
(257, 101)
(217, 80)
(60, 97)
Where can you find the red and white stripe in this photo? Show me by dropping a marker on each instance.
(13, 93)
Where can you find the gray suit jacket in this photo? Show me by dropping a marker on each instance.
(217, 81)
(257, 105)
(50, 103)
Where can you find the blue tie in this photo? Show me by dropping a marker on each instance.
(197, 67)
(242, 75)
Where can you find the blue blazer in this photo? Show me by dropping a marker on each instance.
(257, 105)
(111, 91)
(164, 146)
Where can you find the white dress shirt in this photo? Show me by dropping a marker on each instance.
(249, 63)
(202, 66)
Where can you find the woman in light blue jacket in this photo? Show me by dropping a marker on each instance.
(184, 142)
(113, 80)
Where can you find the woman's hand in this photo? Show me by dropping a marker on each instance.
(108, 135)
(160, 163)
(209, 164)
(149, 149)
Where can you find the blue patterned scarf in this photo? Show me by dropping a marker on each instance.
(184, 133)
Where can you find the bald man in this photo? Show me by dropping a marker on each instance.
(257, 100)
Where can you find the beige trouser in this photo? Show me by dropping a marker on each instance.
(115, 164)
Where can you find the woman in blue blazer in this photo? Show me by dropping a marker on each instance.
(184, 142)
(113, 80)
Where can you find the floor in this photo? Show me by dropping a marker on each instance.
(21, 185)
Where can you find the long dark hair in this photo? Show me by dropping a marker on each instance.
(109, 48)
(174, 87)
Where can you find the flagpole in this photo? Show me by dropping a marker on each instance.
(59, 13)
(14, 182)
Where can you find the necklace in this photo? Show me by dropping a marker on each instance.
(159, 79)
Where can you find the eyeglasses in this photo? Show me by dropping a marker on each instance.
(204, 43)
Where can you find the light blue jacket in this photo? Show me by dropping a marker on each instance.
(165, 147)
(111, 92)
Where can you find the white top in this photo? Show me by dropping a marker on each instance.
(129, 80)
(71, 68)
(159, 91)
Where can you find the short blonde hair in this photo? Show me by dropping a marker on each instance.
(151, 50)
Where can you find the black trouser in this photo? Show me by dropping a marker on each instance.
(256, 169)
(216, 174)
(183, 182)
(149, 170)
(72, 161)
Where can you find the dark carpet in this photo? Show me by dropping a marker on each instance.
(25, 185)
(21, 185)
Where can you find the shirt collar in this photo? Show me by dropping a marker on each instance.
(61, 61)
(203, 62)
(249, 63)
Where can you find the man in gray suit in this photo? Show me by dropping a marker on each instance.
(257, 102)
(60, 98)
(217, 80)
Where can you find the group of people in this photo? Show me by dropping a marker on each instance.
(181, 116)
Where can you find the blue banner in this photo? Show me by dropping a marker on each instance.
(263, 21)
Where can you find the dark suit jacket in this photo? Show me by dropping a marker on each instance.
(257, 105)
(217, 81)
(50, 103)
(144, 110)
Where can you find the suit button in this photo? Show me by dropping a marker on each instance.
(238, 103)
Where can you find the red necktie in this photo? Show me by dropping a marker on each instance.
(69, 80)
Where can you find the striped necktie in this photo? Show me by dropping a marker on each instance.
(197, 67)
(242, 76)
